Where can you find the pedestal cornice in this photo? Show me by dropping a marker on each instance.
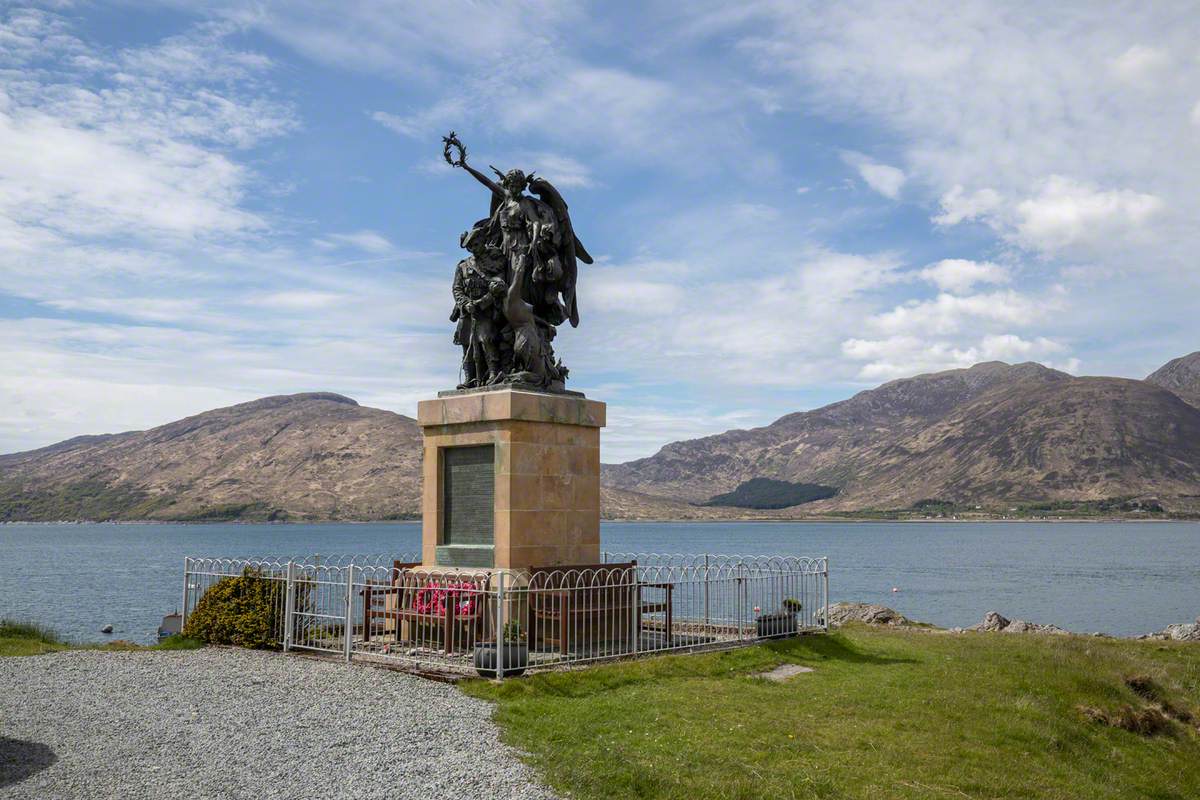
(503, 404)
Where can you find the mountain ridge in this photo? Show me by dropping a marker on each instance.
(310, 456)
(1181, 376)
(990, 434)
(919, 438)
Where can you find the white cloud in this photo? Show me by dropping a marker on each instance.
(708, 319)
(958, 207)
(369, 241)
(949, 314)
(525, 74)
(1139, 64)
(562, 171)
(421, 125)
(991, 107)
(1010, 347)
(410, 39)
(31, 34)
(885, 179)
(110, 149)
(956, 329)
(541, 86)
(634, 431)
(1065, 212)
(84, 181)
(66, 378)
(902, 356)
(123, 205)
(574, 103)
(1036, 123)
(44, 409)
(199, 57)
(633, 289)
(150, 309)
(959, 275)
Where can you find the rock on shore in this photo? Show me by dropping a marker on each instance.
(1183, 632)
(870, 613)
(995, 622)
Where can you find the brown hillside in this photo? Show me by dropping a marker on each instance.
(304, 456)
(991, 433)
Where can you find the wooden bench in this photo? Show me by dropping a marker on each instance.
(591, 606)
(398, 602)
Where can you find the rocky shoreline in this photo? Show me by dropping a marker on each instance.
(993, 622)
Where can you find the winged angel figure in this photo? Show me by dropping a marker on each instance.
(519, 282)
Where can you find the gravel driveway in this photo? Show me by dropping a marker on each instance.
(239, 724)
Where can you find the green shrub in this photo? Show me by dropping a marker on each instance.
(242, 611)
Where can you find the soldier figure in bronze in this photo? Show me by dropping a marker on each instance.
(531, 238)
(478, 289)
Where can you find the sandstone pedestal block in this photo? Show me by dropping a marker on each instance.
(511, 479)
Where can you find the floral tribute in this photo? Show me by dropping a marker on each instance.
(432, 599)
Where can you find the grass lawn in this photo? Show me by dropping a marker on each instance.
(886, 714)
(26, 639)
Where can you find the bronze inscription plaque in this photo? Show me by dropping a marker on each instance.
(468, 495)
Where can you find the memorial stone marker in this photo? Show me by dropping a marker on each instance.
(511, 458)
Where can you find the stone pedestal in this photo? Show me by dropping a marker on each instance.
(511, 479)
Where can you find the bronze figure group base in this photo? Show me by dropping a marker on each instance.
(519, 387)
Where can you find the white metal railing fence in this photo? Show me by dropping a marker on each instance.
(394, 610)
(310, 592)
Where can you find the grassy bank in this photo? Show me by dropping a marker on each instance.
(28, 639)
(885, 713)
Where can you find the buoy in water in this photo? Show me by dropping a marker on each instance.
(895, 589)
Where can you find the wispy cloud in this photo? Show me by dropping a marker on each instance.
(883, 178)
(368, 241)
(126, 219)
(247, 198)
(1011, 118)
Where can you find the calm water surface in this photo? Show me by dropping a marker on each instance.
(1121, 578)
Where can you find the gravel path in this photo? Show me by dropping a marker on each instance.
(239, 724)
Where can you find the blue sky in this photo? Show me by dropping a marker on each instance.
(788, 202)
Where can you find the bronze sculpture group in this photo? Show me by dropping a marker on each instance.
(518, 283)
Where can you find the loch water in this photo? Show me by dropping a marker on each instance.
(1121, 578)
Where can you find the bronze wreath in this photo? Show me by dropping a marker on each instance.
(453, 141)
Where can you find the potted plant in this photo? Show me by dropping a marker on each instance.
(779, 623)
(514, 650)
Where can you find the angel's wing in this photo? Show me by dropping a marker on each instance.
(571, 249)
